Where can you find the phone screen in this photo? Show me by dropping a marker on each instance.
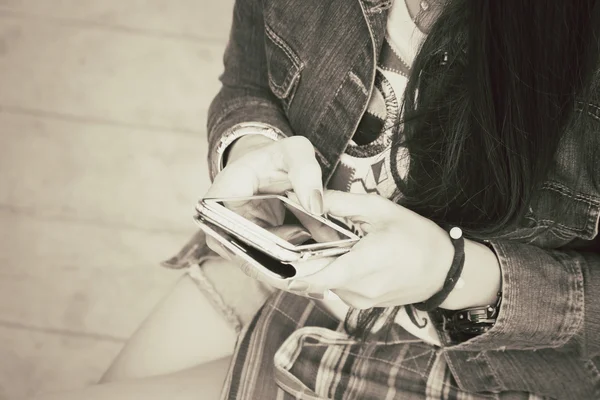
(288, 220)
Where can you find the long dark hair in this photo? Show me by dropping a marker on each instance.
(487, 102)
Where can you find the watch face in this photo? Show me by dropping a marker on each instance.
(464, 324)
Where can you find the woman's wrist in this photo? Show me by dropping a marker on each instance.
(244, 145)
(234, 134)
(480, 281)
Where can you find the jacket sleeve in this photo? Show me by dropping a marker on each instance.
(551, 299)
(245, 95)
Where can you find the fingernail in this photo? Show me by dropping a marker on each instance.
(299, 237)
(298, 286)
(316, 296)
(316, 202)
(228, 254)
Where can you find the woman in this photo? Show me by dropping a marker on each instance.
(478, 115)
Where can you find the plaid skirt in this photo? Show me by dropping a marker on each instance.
(295, 349)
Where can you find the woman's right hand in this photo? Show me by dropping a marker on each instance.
(258, 165)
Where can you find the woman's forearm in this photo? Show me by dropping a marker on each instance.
(480, 281)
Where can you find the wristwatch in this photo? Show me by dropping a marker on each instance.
(467, 323)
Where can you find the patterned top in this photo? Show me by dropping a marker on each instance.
(367, 167)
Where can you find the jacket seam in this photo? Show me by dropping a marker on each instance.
(380, 7)
(320, 123)
(292, 76)
(498, 382)
(455, 374)
(562, 190)
(578, 305)
(593, 369)
(278, 41)
(284, 90)
(565, 191)
(594, 114)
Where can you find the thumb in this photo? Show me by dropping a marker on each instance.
(369, 208)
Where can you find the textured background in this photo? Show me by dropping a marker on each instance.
(102, 157)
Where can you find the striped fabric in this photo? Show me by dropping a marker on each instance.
(294, 349)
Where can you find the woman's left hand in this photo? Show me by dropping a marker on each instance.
(402, 259)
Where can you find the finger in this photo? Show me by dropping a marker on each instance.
(339, 273)
(319, 231)
(287, 164)
(218, 248)
(368, 209)
(304, 172)
(255, 172)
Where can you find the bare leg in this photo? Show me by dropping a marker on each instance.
(182, 350)
(184, 331)
(203, 382)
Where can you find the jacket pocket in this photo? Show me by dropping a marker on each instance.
(284, 67)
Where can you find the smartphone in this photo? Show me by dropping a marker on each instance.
(267, 254)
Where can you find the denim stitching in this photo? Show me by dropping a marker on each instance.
(562, 190)
(576, 307)
(324, 160)
(287, 103)
(493, 372)
(354, 78)
(546, 223)
(282, 91)
(565, 191)
(292, 75)
(379, 8)
(594, 114)
(461, 385)
(594, 370)
(285, 87)
(456, 376)
(283, 46)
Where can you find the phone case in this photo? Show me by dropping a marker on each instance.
(258, 265)
(257, 237)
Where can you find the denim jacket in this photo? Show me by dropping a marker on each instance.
(307, 67)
